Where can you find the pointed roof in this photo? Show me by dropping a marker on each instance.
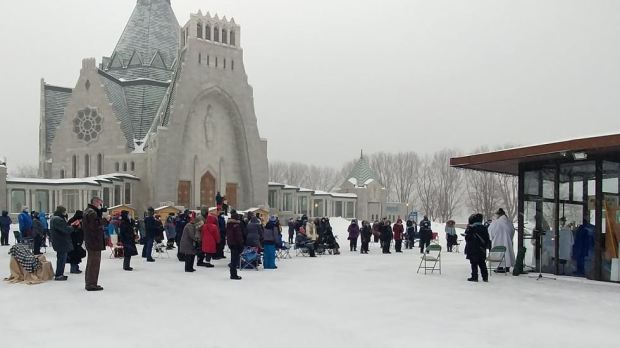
(361, 174)
(152, 27)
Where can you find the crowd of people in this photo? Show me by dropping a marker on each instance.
(201, 236)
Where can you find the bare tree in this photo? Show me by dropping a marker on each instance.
(508, 194)
(482, 192)
(383, 165)
(277, 171)
(406, 168)
(448, 185)
(26, 171)
(426, 188)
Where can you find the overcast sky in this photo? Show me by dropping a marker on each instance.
(332, 76)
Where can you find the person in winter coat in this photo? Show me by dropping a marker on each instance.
(94, 240)
(502, 232)
(171, 231)
(234, 239)
(46, 227)
(179, 225)
(5, 227)
(399, 231)
(219, 201)
(476, 244)
(25, 225)
(302, 241)
(270, 237)
(451, 237)
(76, 255)
(189, 241)
(152, 229)
(311, 230)
(366, 234)
(426, 234)
(386, 236)
(254, 233)
(61, 238)
(354, 232)
(210, 236)
(127, 237)
(376, 231)
(38, 233)
(291, 230)
(221, 223)
(410, 235)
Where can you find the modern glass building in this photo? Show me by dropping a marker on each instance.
(568, 208)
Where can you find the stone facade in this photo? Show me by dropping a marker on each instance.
(171, 106)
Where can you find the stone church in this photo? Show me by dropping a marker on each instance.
(171, 105)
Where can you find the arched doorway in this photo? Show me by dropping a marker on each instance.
(207, 190)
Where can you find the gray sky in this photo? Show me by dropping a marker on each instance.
(333, 76)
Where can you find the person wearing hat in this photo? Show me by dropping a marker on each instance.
(502, 232)
(451, 238)
(234, 239)
(354, 233)
(151, 227)
(191, 237)
(60, 233)
(94, 241)
(128, 239)
(476, 244)
(270, 237)
(25, 225)
(399, 231)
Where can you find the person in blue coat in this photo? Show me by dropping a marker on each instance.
(46, 227)
(25, 225)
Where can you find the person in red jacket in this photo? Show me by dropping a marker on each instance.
(210, 234)
(398, 235)
(234, 238)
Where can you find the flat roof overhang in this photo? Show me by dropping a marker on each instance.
(508, 161)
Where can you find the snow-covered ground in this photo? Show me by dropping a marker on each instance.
(350, 300)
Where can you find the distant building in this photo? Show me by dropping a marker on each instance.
(288, 201)
(171, 106)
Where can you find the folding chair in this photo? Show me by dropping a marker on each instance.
(117, 252)
(249, 259)
(283, 252)
(161, 250)
(496, 255)
(432, 255)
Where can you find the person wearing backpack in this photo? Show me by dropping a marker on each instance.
(477, 242)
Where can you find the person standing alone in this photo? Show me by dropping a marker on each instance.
(476, 244)
(399, 230)
(94, 240)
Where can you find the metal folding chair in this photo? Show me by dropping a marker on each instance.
(432, 255)
(249, 259)
(283, 252)
(497, 255)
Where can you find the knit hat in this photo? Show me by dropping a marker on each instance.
(500, 212)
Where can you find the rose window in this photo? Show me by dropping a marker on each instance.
(87, 124)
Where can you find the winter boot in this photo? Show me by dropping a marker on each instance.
(472, 279)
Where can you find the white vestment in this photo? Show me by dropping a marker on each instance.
(502, 233)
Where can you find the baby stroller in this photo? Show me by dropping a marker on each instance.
(161, 249)
(249, 258)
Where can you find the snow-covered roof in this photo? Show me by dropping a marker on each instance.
(313, 192)
(361, 174)
(93, 180)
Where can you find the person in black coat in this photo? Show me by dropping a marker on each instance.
(128, 239)
(221, 221)
(366, 233)
(151, 226)
(77, 239)
(426, 234)
(181, 221)
(386, 236)
(477, 242)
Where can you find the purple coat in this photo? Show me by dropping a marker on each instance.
(354, 231)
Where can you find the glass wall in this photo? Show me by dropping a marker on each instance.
(42, 201)
(117, 195)
(319, 208)
(71, 200)
(338, 209)
(559, 205)
(272, 199)
(287, 202)
(18, 201)
(302, 205)
(610, 263)
(350, 210)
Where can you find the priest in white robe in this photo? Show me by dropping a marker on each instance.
(502, 232)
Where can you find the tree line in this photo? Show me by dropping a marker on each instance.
(426, 182)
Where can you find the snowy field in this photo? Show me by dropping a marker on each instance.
(350, 300)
